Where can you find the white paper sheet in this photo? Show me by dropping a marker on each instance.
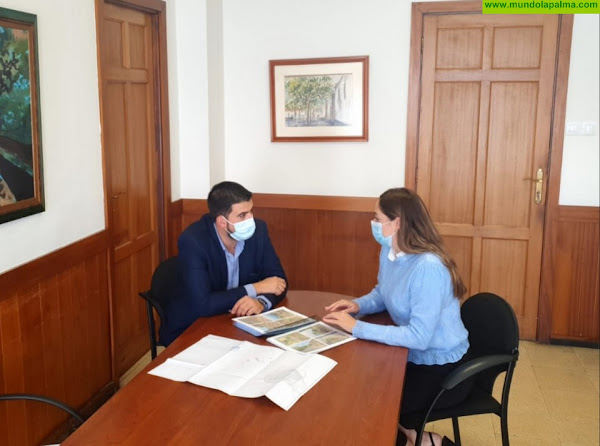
(247, 370)
(176, 370)
(236, 368)
(207, 350)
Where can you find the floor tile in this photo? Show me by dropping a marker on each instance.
(578, 431)
(552, 356)
(524, 351)
(558, 378)
(525, 441)
(529, 422)
(138, 367)
(594, 377)
(475, 430)
(589, 357)
(567, 405)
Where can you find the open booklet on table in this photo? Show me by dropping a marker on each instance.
(313, 338)
(293, 331)
(272, 322)
(244, 369)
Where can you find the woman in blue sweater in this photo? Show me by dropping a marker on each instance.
(418, 284)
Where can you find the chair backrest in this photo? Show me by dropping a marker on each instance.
(163, 285)
(493, 329)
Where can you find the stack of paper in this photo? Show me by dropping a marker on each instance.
(244, 369)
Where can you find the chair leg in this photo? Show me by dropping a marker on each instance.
(456, 431)
(152, 330)
(504, 429)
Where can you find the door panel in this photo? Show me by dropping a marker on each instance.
(128, 113)
(455, 138)
(484, 129)
(509, 155)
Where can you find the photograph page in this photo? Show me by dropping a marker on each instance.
(313, 338)
(272, 322)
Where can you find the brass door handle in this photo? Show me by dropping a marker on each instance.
(539, 183)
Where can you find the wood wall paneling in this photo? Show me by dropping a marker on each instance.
(54, 337)
(319, 248)
(575, 268)
(332, 250)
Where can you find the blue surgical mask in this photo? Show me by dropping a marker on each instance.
(243, 229)
(377, 230)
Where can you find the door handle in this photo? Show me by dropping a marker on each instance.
(539, 184)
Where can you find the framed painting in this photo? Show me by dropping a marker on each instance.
(324, 99)
(21, 188)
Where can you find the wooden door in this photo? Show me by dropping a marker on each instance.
(484, 130)
(129, 125)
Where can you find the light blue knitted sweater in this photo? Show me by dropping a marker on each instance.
(416, 290)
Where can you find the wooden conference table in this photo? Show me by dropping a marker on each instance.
(356, 403)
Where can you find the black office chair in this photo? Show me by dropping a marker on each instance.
(494, 348)
(43, 399)
(163, 283)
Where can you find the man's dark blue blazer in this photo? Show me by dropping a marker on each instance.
(202, 289)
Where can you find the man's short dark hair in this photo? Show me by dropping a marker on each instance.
(224, 195)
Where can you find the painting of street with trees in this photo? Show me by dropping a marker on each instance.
(20, 153)
(319, 99)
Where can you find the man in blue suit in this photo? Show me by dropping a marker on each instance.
(226, 263)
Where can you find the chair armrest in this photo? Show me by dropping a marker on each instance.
(43, 399)
(473, 367)
(147, 296)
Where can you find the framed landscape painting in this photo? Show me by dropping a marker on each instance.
(21, 191)
(319, 99)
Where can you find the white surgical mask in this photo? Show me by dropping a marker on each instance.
(243, 229)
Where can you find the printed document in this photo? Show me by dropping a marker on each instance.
(244, 369)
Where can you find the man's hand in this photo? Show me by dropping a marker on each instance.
(341, 319)
(270, 285)
(247, 306)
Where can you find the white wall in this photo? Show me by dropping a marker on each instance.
(188, 97)
(257, 31)
(253, 32)
(579, 178)
(72, 157)
(216, 109)
(232, 117)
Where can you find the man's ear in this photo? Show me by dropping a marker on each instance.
(220, 221)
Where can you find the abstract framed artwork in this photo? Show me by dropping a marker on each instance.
(21, 187)
(325, 99)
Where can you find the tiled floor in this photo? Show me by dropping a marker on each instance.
(554, 400)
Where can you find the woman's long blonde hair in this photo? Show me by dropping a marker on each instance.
(417, 232)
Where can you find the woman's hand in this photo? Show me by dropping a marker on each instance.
(344, 305)
(341, 319)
